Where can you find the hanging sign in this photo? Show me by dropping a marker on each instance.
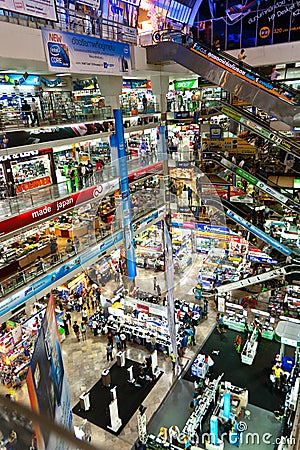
(80, 53)
(51, 83)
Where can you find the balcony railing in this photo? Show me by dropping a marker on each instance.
(78, 22)
(33, 271)
(41, 196)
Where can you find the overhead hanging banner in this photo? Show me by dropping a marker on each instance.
(78, 53)
(44, 9)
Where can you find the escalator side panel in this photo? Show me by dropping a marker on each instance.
(221, 76)
(257, 232)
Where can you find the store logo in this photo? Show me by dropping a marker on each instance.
(98, 191)
(264, 32)
(54, 50)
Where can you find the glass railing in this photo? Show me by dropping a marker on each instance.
(288, 93)
(151, 201)
(33, 199)
(78, 22)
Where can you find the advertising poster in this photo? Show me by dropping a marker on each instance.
(47, 383)
(44, 9)
(118, 140)
(78, 53)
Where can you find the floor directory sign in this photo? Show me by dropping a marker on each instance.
(79, 53)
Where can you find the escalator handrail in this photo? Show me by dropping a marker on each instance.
(259, 177)
(260, 122)
(158, 36)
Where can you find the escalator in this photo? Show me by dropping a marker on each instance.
(225, 71)
(257, 279)
(238, 216)
(261, 128)
(256, 181)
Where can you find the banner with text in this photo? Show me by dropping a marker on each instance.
(78, 53)
(44, 9)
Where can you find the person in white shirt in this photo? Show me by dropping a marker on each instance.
(174, 433)
(35, 113)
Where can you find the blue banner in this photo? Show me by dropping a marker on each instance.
(80, 53)
(119, 139)
(265, 237)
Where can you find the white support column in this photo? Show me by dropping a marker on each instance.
(111, 89)
(160, 88)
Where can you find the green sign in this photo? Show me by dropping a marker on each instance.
(247, 176)
(263, 132)
(185, 84)
(296, 183)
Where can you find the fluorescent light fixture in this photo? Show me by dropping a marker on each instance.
(63, 74)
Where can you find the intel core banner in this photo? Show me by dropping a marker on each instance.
(78, 53)
(47, 384)
(44, 9)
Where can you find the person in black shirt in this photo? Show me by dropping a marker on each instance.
(26, 109)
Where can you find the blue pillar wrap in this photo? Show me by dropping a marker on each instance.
(126, 202)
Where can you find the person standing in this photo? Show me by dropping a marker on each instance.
(76, 330)
(109, 350)
(123, 340)
(72, 176)
(145, 103)
(154, 283)
(242, 56)
(84, 314)
(26, 109)
(35, 113)
(66, 326)
(190, 195)
(117, 341)
(68, 317)
(173, 360)
(83, 330)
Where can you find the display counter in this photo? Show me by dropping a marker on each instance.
(250, 348)
(266, 322)
(69, 231)
(235, 317)
(12, 266)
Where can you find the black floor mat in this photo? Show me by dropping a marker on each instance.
(129, 397)
(256, 377)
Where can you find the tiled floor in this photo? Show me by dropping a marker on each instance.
(85, 361)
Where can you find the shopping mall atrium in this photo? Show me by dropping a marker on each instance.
(149, 224)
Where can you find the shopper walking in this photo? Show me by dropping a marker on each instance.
(109, 350)
(66, 326)
(76, 330)
(158, 290)
(84, 314)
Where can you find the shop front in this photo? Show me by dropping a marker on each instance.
(27, 171)
(137, 97)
